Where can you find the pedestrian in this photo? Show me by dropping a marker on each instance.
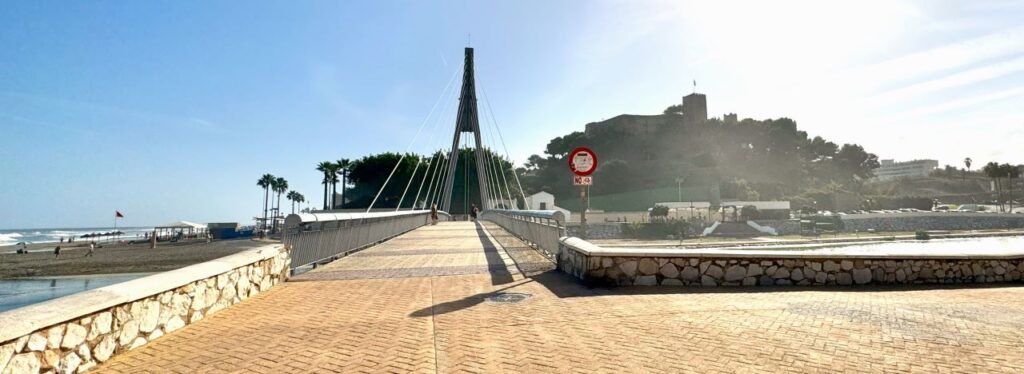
(92, 247)
(56, 251)
(433, 214)
(62, 240)
(472, 212)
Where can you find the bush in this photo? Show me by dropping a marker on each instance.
(655, 230)
(922, 235)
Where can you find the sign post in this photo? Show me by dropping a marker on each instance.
(582, 163)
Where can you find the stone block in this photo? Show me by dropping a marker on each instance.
(750, 281)
(36, 342)
(671, 282)
(129, 332)
(862, 276)
(844, 279)
(714, 271)
(830, 266)
(707, 281)
(754, 270)
(820, 277)
(149, 316)
(669, 271)
(735, 273)
(6, 352)
(797, 275)
(54, 336)
(24, 363)
(846, 265)
(74, 335)
(690, 273)
(105, 348)
(628, 268)
(84, 352)
(765, 280)
(646, 280)
(781, 273)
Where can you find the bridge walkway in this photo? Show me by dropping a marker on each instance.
(465, 297)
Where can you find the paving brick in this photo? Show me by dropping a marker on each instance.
(420, 303)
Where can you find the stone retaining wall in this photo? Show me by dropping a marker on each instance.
(911, 222)
(602, 230)
(77, 332)
(932, 221)
(709, 272)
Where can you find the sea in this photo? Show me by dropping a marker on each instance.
(15, 236)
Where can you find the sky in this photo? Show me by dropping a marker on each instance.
(171, 110)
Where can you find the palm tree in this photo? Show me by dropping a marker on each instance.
(343, 166)
(967, 163)
(325, 167)
(280, 186)
(291, 197)
(295, 198)
(1011, 173)
(995, 171)
(265, 181)
(332, 178)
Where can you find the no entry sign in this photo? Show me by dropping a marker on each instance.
(582, 161)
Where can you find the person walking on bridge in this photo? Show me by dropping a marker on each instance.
(433, 214)
(472, 212)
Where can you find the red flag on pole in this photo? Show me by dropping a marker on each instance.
(118, 214)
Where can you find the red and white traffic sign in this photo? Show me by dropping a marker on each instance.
(582, 161)
(582, 181)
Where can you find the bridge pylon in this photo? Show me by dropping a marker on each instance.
(467, 121)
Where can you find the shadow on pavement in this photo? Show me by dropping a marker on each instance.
(496, 266)
(562, 285)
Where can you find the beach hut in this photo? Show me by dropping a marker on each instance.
(179, 230)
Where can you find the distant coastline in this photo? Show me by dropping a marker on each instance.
(10, 237)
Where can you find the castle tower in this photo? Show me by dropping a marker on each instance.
(695, 108)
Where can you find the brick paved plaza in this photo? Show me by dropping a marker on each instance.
(424, 302)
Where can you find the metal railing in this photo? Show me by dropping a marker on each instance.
(315, 237)
(540, 229)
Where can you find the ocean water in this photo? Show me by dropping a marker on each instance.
(14, 236)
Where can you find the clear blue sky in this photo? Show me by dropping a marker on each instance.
(172, 110)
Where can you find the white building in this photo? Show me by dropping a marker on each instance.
(890, 169)
(545, 201)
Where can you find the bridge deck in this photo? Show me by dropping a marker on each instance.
(419, 303)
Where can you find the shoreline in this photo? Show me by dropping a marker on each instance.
(117, 259)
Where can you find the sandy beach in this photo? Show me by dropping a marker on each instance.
(111, 259)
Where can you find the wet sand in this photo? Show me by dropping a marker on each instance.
(135, 258)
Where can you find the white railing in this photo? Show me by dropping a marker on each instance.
(316, 237)
(540, 229)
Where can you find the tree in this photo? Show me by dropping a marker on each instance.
(343, 166)
(967, 164)
(280, 186)
(291, 197)
(1011, 173)
(295, 198)
(325, 167)
(994, 171)
(853, 160)
(676, 109)
(265, 181)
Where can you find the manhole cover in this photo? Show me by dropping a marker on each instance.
(508, 297)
